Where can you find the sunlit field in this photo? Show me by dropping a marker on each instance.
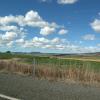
(52, 67)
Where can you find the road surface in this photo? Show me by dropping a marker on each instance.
(27, 88)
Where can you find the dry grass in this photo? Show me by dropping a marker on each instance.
(74, 74)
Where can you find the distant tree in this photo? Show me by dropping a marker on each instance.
(8, 52)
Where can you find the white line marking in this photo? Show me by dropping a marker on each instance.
(8, 97)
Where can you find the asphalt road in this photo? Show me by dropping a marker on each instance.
(26, 88)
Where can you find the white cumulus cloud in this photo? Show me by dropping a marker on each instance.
(63, 31)
(9, 36)
(8, 28)
(89, 37)
(47, 30)
(31, 19)
(66, 1)
(45, 0)
(96, 25)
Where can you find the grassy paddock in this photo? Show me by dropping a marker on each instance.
(51, 68)
(51, 72)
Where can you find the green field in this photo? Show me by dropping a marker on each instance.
(53, 61)
(52, 67)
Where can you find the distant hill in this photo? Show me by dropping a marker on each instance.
(79, 54)
(57, 54)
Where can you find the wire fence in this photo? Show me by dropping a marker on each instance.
(54, 69)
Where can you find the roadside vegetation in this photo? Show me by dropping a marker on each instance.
(52, 68)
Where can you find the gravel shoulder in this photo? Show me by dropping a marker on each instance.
(27, 88)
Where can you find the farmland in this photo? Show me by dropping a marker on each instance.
(74, 68)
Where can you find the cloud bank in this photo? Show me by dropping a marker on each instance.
(14, 33)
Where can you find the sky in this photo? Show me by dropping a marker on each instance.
(50, 26)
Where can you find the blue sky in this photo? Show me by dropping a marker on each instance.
(54, 26)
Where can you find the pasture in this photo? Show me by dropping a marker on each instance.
(51, 67)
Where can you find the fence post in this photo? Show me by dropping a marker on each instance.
(34, 67)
